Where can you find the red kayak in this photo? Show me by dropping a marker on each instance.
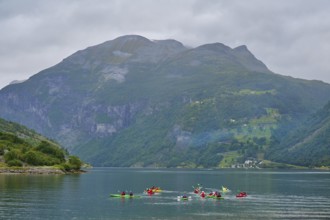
(149, 191)
(196, 191)
(241, 195)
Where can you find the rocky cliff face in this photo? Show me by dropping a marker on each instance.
(148, 96)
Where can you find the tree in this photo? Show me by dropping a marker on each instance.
(14, 154)
(32, 158)
(74, 162)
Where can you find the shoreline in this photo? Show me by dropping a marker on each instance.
(36, 171)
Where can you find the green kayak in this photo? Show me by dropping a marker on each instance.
(124, 196)
(183, 198)
(214, 197)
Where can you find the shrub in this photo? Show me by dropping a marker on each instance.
(74, 162)
(38, 159)
(31, 158)
(13, 154)
(64, 167)
(2, 149)
(15, 163)
(51, 150)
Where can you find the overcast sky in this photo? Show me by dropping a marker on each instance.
(292, 37)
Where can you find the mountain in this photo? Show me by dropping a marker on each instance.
(136, 102)
(308, 144)
(20, 146)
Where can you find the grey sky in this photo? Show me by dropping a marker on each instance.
(292, 37)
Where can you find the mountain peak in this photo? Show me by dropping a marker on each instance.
(249, 60)
(242, 48)
(239, 54)
(130, 38)
(170, 43)
(216, 47)
(127, 43)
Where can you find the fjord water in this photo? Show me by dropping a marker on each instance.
(272, 194)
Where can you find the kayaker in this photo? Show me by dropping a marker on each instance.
(150, 191)
(203, 194)
(123, 193)
(130, 194)
(241, 194)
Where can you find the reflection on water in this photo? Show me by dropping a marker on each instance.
(26, 196)
(21, 182)
(271, 195)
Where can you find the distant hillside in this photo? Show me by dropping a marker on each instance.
(308, 145)
(21, 147)
(135, 102)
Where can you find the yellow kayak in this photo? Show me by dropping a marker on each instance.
(225, 189)
(157, 190)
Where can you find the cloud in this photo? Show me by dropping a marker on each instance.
(290, 37)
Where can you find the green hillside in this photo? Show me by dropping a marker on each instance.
(22, 147)
(308, 144)
(136, 102)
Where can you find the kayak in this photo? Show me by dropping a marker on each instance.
(124, 196)
(149, 192)
(183, 198)
(155, 189)
(214, 197)
(225, 189)
(241, 195)
(152, 191)
(197, 189)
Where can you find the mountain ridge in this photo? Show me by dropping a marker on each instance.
(142, 98)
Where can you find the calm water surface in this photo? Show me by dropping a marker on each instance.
(271, 195)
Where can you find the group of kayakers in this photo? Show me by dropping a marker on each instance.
(216, 194)
(197, 190)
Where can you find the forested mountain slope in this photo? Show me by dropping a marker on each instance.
(23, 147)
(307, 145)
(136, 102)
